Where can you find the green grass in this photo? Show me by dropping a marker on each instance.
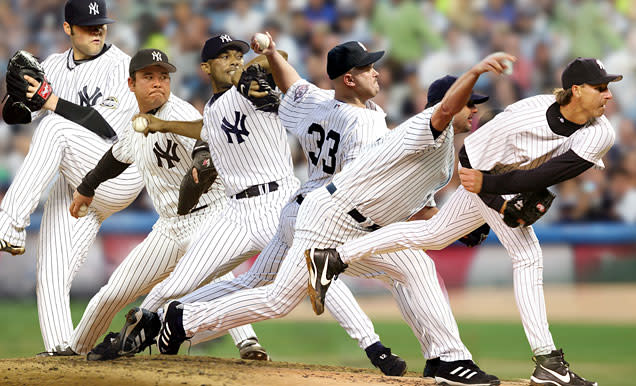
(604, 353)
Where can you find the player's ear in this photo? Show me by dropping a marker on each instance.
(205, 67)
(67, 29)
(131, 83)
(348, 80)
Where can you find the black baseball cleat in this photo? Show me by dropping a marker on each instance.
(107, 350)
(389, 363)
(464, 372)
(431, 367)
(323, 265)
(139, 332)
(552, 369)
(5, 246)
(172, 333)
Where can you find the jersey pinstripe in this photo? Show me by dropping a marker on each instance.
(398, 175)
(247, 148)
(160, 159)
(528, 133)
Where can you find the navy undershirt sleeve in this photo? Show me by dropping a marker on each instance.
(564, 167)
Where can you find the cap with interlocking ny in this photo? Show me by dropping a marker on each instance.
(346, 56)
(86, 12)
(149, 57)
(218, 43)
(586, 70)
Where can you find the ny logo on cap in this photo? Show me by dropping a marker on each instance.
(600, 64)
(156, 56)
(362, 45)
(93, 8)
(225, 38)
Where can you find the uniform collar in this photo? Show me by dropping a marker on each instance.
(72, 63)
(557, 122)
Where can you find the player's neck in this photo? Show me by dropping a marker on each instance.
(574, 114)
(350, 99)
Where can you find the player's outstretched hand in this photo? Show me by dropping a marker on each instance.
(155, 125)
(496, 63)
(79, 200)
(471, 179)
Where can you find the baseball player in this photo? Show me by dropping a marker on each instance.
(92, 104)
(332, 128)
(330, 216)
(535, 143)
(345, 309)
(162, 160)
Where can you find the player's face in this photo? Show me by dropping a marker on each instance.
(87, 41)
(151, 86)
(366, 80)
(593, 99)
(463, 120)
(222, 68)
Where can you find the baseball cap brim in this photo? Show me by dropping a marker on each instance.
(478, 98)
(371, 57)
(167, 66)
(238, 44)
(608, 78)
(93, 21)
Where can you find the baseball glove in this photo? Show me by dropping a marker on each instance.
(254, 86)
(526, 208)
(476, 237)
(23, 63)
(190, 191)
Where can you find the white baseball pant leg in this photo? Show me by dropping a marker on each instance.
(463, 213)
(59, 145)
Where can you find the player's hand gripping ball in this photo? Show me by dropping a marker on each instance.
(262, 40)
(140, 124)
(82, 211)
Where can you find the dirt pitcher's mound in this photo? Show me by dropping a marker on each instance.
(191, 370)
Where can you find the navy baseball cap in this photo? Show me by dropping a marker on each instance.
(438, 89)
(149, 57)
(346, 56)
(586, 70)
(219, 43)
(86, 12)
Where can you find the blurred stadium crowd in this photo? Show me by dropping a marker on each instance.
(424, 40)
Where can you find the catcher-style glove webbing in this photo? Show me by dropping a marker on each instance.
(254, 86)
(23, 63)
(526, 208)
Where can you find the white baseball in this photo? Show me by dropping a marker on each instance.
(262, 40)
(508, 64)
(82, 211)
(140, 124)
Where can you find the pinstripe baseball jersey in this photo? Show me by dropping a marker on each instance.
(400, 173)
(100, 83)
(164, 158)
(248, 147)
(528, 134)
(331, 132)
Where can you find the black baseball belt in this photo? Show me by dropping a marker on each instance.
(257, 190)
(353, 213)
